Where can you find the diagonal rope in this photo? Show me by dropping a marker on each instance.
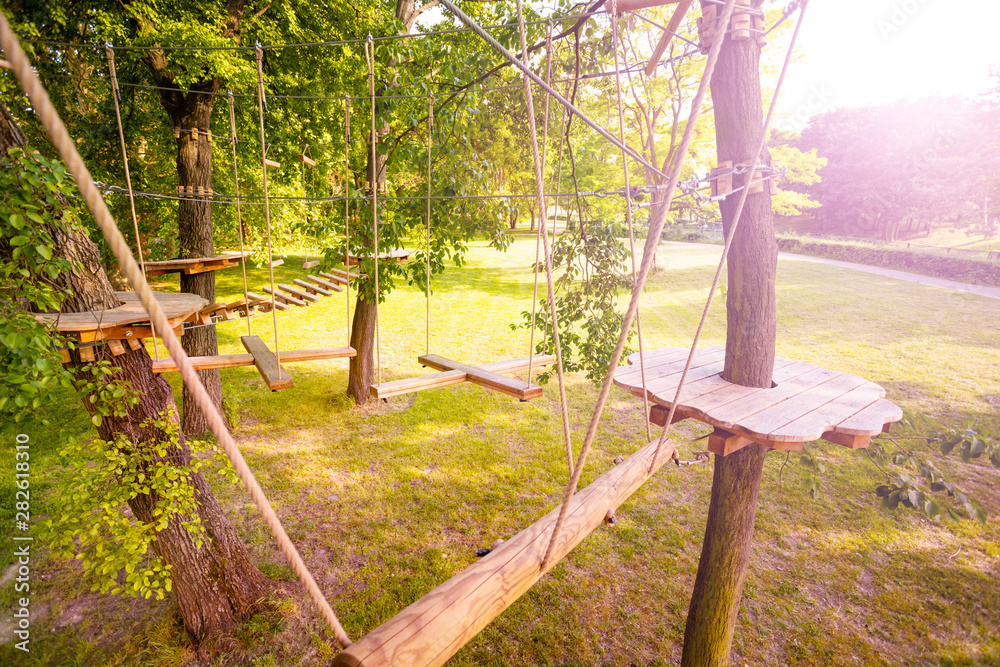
(267, 203)
(652, 239)
(137, 279)
(540, 186)
(239, 208)
(115, 95)
(628, 206)
(744, 193)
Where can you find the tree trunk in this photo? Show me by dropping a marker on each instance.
(750, 342)
(219, 584)
(362, 371)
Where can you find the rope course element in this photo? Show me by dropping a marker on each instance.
(347, 209)
(744, 193)
(239, 208)
(540, 185)
(427, 314)
(115, 95)
(373, 182)
(66, 148)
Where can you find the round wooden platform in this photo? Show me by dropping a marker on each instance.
(807, 403)
(130, 320)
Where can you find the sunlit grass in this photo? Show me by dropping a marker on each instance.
(388, 500)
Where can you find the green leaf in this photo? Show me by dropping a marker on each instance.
(44, 251)
(932, 510)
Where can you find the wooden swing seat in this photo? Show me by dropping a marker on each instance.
(487, 375)
(435, 627)
(806, 402)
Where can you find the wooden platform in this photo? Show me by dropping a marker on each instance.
(193, 265)
(128, 321)
(237, 360)
(395, 254)
(487, 375)
(808, 402)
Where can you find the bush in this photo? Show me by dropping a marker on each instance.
(890, 257)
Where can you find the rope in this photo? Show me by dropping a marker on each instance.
(540, 185)
(115, 94)
(370, 56)
(347, 210)
(239, 209)
(430, 139)
(736, 221)
(628, 210)
(652, 239)
(137, 279)
(267, 203)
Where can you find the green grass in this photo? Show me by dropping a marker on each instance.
(388, 500)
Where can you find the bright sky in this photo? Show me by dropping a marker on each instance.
(862, 52)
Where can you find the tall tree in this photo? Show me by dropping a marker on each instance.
(215, 581)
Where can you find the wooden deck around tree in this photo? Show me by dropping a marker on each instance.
(807, 402)
(116, 323)
(192, 265)
(488, 375)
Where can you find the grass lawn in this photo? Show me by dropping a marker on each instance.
(388, 500)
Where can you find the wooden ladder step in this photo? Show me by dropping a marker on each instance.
(274, 375)
(282, 297)
(335, 277)
(312, 289)
(265, 303)
(310, 264)
(296, 292)
(325, 283)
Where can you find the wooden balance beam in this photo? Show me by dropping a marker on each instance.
(274, 375)
(238, 360)
(436, 626)
(487, 375)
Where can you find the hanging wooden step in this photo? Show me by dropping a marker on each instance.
(310, 264)
(310, 288)
(435, 627)
(274, 375)
(325, 283)
(282, 297)
(238, 360)
(265, 303)
(335, 277)
(485, 374)
(297, 293)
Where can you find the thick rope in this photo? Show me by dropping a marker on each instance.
(137, 279)
(628, 205)
(115, 94)
(239, 208)
(540, 186)
(656, 221)
(430, 141)
(370, 55)
(267, 203)
(347, 210)
(744, 193)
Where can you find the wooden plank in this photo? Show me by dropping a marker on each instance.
(311, 264)
(237, 360)
(336, 277)
(865, 422)
(86, 352)
(274, 264)
(825, 417)
(274, 375)
(173, 304)
(448, 378)
(305, 159)
(270, 163)
(484, 378)
(344, 274)
(310, 288)
(325, 283)
(134, 343)
(64, 355)
(299, 294)
(435, 627)
(661, 46)
(284, 298)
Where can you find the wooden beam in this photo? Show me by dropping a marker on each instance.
(305, 159)
(311, 264)
(448, 378)
(299, 294)
(270, 163)
(325, 283)
(282, 297)
(661, 46)
(274, 264)
(274, 375)
(336, 277)
(265, 303)
(658, 415)
(436, 626)
(310, 288)
(484, 378)
(238, 360)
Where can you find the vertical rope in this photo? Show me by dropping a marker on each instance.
(115, 95)
(239, 207)
(267, 203)
(628, 206)
(652, 239)
(430, 140)
(540, 187)
(741, 203)
(347, 209)
(370, 54)
(137, 279)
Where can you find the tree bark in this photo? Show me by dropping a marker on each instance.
(362, 370)
(219, 584)
(750, 343)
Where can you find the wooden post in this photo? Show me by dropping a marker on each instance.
(750, 351)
